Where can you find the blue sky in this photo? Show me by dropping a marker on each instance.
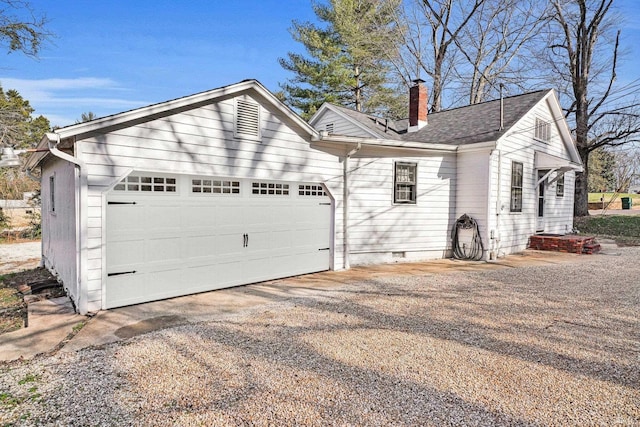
(112, 56)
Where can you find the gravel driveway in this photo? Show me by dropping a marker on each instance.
(544, 345)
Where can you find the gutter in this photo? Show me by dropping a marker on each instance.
(81, 226)
(373, 142)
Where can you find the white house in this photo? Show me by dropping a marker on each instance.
(229, 187)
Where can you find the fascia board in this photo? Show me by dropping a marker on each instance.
(565, 132)
(488, 145)
(391, 144)
(184, 102)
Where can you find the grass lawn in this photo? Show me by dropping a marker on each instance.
(624, 229)
(595, 197)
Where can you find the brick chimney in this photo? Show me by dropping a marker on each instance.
(417, 106)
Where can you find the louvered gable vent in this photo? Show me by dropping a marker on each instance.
(247, 119)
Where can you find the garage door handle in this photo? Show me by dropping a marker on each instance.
(120, 273)
(245, 241)
(324, 249)
(121, 203)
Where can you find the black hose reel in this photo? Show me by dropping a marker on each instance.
(469, 250)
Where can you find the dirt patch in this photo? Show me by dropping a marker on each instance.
(16, 289)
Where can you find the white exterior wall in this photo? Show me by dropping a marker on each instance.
(341, 126)
(198, 142)
(378, 228)
(59, 226)
(519, 144)
(472, 197)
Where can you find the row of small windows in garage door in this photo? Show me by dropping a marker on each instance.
(213, 186)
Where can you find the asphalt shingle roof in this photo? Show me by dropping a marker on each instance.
(458, 126)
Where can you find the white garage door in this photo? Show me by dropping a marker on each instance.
(176, 235)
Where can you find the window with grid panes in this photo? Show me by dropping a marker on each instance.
(147, 184)
(517, 173)
(560, 186)
(405, 178)
(215, 186)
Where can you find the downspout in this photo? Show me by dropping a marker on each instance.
(496, 235)
(345, 205)
(81, 247)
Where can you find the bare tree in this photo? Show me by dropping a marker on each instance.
(431, 32)
(626, 169)
(495, 44)
(584, 52)
(469, 48)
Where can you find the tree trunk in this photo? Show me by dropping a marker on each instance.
(436, 90)
(358, 89)
(581, 198)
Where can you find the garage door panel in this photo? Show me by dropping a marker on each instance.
(126, 289)
(123, 219)
(229, 244)
(228, 273)
(163, 249)
(195, 217)
(125, 253)
(186, 243)
(200, 246)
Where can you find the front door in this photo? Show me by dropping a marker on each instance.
(540, 214)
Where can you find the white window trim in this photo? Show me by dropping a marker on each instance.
(513, 209)
(271, 189)
(134, 182)
(52, 193)
(560, 186)
(414, 200)
(208, 186)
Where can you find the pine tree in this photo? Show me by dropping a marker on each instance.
(18, 129)
(347, 61)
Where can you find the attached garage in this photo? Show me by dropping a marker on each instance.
(171, 235)
(212, 190)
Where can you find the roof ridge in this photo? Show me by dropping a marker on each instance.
(491, 100)
(441, 111)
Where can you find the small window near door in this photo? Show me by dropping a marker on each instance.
(517, 169)
(405, 179)
(560, 186)
(52, 193)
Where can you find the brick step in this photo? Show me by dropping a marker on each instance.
(591, 249)
(561, 243)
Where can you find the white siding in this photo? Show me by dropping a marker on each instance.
(59, 226)
(198, 142)
(378, 227)
(341, 126)
(472, 197)
(519, 145)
